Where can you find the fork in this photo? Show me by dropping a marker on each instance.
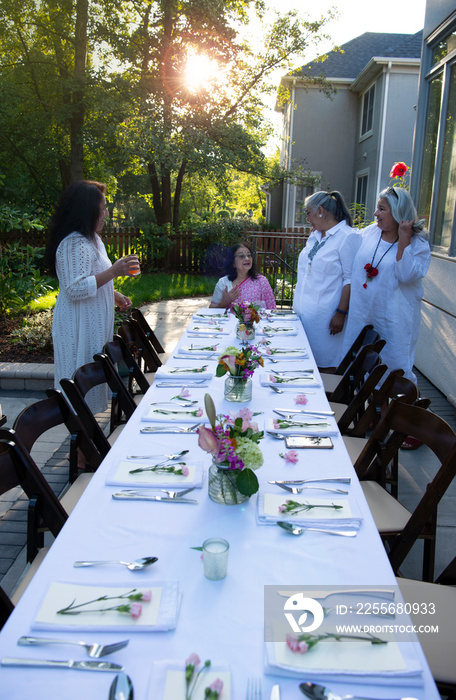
(178, 494)
(298, 391)
(95, 651)
(254, 690)
(295, 491)
(170, 429)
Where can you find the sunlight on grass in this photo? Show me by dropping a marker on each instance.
(148, 288)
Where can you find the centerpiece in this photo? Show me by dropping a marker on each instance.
(233, 443)
(246, 314)
(240, 366)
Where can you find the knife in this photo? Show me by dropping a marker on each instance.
(292, 412)
(77, 665)
(128, 496)
(298, 482)
(386, 593)
(275, 692)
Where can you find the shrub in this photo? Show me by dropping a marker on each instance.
(21, 280)
(36, 332)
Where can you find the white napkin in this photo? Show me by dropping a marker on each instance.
(280, 318)
(200, 348)
(119, 475)
(214, 314)
(350, 662)
(167, 681)
(158, 615)
(178, 414)
(279, 353)
(289, 381)
(271, 329)
(167, 372)
(317, 426)
(348, 516)
(206, 329)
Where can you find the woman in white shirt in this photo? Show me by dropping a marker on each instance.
(84, 312)
(322, 293)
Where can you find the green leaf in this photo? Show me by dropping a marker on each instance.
(198, 549)
(247, 482)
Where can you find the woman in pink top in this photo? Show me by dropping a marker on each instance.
(242, 282)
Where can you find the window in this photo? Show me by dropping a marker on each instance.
(437, 185)
(361, 190)
(368, 111)
(302, 191)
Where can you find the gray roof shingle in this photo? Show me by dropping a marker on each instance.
(359, 51)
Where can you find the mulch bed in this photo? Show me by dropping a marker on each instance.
(12, 352)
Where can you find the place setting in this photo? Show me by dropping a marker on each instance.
(173, 679)
(175, 373)
(294, 378)
(157, 470)
(308, 510)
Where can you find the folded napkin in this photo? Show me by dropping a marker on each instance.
(199, 348)
(348, 516)
(298, 380)
(280, 318)
(278, 329)
(285, 353)
(175, 374)
(208, 314)
(303, 425)
(206, 329)
(167, 681)
(157, 614)
(165, 414)
(119, 474)
(351, 662)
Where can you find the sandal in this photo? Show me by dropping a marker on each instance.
(411, 443)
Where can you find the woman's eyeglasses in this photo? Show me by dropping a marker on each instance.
(243, 256)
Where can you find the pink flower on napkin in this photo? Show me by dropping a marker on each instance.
(216, 686)
(199, 413)
(291, 457)
(184, 393)
(185, 471)
(193, 660)
(272, 379)
(301, 399)
(135, 610)
(146, 596)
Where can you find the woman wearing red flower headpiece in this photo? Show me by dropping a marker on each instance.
(387, 278)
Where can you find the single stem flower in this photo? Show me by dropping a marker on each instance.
(301, 399)
(133, 608)
(291, 457)
(291, 507)
(283, 424)
(178, 370)
(179, 469)
(305, 642)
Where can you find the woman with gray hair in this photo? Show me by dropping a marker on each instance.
(387, 286)
(322, 293)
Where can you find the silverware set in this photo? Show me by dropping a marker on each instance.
(170, 428)
(94, 650)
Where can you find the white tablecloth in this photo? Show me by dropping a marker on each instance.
(219, 620)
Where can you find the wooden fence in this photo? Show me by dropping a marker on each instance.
(276, 252)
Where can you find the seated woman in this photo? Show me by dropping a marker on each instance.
(242, 282)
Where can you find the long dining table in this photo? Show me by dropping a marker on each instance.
(222, 621)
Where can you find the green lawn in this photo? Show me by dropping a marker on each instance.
(147, 288)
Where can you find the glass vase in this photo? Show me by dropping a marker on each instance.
(245, 332)
(222, 486)
(238, 389)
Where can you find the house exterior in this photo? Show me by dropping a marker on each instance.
(433, 188)
(348, 142)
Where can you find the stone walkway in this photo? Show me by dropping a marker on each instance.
(23, 384)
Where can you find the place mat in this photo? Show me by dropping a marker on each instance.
(277, 330)
(167, 681)
(268, 512)
(119, 475)
(306, 425)
(268, 378)
(199, 349)
(350, 662)
(175, 374)
(165, 414)
(157, 615)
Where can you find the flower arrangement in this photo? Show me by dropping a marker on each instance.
(246, 312)
(239, 363)
(213, 691)
(233, 443)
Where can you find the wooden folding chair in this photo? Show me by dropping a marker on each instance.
(396, 524)
(367, 336)
(138, 315)
(140, 346)
(122, 405)
(439, 649)
(354, 377)
(137, 382)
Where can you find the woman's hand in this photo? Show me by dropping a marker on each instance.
(121, 301)
(405, 231)
(125, 266)
(336, 324)
(229, 296)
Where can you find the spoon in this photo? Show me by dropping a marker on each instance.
(295, 530)
(136, 565)
(171, 458)
(121, 688)
(319, 692)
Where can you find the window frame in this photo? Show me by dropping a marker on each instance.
(371, 90)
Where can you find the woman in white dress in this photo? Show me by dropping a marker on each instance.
(84, 312)
(322, 293)
(387, 276)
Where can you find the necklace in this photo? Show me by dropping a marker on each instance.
(314, 251)
(372, 271)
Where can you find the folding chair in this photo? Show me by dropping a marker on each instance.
(396, 524)
(137, 382)
(367, 336)
(140, 346)
(138, 316)
(354, 376)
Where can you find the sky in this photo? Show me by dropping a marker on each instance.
(356, 17)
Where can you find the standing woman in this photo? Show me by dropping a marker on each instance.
(322, 293)
(84, 312)
(387, 278)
